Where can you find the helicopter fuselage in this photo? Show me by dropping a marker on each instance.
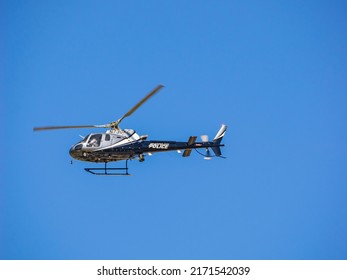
(125, 145)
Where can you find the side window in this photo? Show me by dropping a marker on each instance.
(107, 137)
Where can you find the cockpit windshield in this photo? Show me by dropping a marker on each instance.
(84, 140)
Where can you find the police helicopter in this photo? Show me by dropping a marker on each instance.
(118, 144)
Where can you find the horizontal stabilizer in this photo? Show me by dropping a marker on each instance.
(191, 140)
(187, 153)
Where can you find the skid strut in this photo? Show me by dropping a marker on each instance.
(107, 171)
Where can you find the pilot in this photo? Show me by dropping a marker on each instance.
(93, 143)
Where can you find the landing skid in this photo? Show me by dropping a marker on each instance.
(109, 171)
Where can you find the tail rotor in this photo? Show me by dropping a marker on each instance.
(208, 154)
(204, 139)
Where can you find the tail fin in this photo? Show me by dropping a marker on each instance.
(218, 139)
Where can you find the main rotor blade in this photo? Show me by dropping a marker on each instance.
(66, 127)
(143, 100)
(112, 125)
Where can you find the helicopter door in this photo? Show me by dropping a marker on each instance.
(106, 140)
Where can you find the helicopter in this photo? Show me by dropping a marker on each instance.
(118, 144)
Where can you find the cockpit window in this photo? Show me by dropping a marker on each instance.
(84, 140)
(94, 140)
(107, 137)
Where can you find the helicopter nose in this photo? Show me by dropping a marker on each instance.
(75, 150)
(72, 152)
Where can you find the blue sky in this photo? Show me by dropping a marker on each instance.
(273, 71)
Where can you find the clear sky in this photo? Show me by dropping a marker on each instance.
(273, 71)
